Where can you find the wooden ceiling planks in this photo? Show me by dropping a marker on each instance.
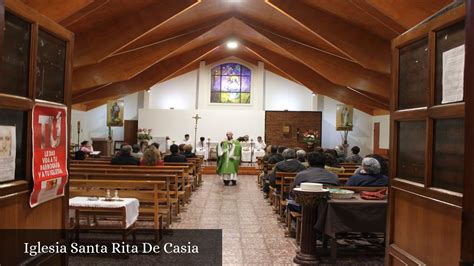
(337, 70)
(127, 65)
(109, 36)
(154, 74)
(343, 44)
(316, 82)
(364, 47)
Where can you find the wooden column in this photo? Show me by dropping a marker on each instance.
(467, 246)
(309, 201)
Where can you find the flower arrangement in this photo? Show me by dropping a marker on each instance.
(144, 134)
(311, 137)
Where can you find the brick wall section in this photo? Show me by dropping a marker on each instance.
(276, 120)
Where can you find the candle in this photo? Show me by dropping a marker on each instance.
(78, 125)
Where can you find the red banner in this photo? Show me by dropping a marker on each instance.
(49, 153)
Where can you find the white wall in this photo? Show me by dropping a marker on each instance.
(384, 139)
(94, 122)
(361, 135)
(179, 93)
(214, 124)
(284, 94)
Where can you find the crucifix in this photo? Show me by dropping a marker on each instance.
(196, 118)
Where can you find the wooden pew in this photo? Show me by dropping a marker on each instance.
(151, 194)
(183, 180)
(115, 177)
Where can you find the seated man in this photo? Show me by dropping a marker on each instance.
(136, 152)
(289, 165)
(354, 157)
(301, 156)
(332, 165)
(124, 157)
(175, 156)
(314, 174)
(276, 156)
(369, 175)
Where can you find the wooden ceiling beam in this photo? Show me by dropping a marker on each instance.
(58, 10)
(335, 69)
(388, 22)
(82, 13)
(102, 40)
(408, 13)
(316, 82)
(364, 47)
(127, 65)
(149, 77)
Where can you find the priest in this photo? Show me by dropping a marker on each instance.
(228, 159)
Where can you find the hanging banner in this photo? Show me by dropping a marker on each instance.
(49, 153)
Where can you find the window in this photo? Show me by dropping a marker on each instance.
(230, 83)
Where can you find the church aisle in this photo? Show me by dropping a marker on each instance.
(251, 232)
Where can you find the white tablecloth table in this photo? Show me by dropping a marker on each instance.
(130, 205)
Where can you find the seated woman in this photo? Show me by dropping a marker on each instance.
(355, 157)
(188, 151)
(369, 175)
(86, 147)
(151, 157)
(332, 165)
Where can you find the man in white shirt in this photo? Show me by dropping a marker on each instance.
(186, 140)
(259, 149)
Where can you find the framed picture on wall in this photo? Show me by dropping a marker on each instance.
(344, 114)
(115, 111)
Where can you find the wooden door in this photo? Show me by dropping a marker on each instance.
(377, 149)
(426, 147)
(130, 131)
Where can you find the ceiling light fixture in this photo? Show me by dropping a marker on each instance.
(232, 44)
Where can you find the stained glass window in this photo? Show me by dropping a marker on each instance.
(230, 83)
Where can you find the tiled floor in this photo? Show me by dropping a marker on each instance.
(251, 232)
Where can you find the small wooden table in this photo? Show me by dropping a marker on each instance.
(126, 208)
(309, 201)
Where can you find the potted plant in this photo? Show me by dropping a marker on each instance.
(144, 134)
(311, 138)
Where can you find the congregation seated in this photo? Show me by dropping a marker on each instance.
(301, 156)
(175, 156)
(136, 152)
(369, 175)
(124, 157)
(151, 157)
(382, 161)
(332, 165)
(354, 157)
(314, 174)
(340, 154)
(188, 151)
(289, 165)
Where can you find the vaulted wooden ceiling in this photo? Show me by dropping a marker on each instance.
(338, 48)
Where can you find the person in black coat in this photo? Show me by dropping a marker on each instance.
(175, 156)
(124, 157)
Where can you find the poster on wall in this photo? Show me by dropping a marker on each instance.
(115, 113)
(453, 75)
(49, 153)
(7, 153)
(344, 115)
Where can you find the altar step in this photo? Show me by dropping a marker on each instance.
(243, 170)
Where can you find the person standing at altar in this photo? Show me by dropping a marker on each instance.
(201, 148)
(186, 140)
(260, 144)
(228, 159)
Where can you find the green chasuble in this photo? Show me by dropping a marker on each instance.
(228, 157)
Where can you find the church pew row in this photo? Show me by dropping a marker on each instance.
(153, 195)
(183, 178)
(191, 170)
(176, 188)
